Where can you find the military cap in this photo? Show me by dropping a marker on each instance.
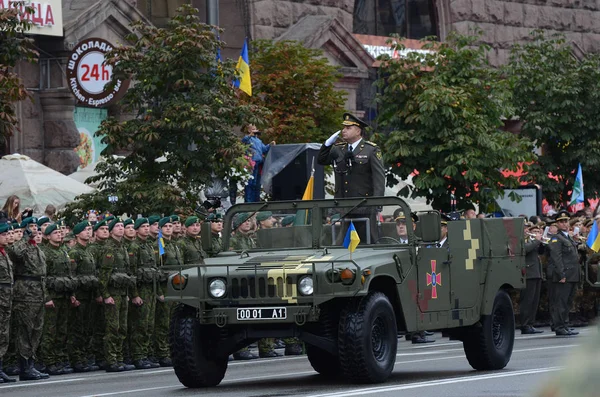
(350, 119)
(240, 218)
(399, 216)
(128, 222)
(528, 224)
(152, 219)
(50, 228)
(191, 220)
(215, 216)
(288, 220)
(562, 215)
(99, 224)
(60, 222)
(113, 222)
(80, 227)
(4, 227)
(164, 221)
(445, 219)
(263, 216)
(68, 237)
(27, 221)
(588, 223)
(175, 218)
(139, 222)
(41, 220)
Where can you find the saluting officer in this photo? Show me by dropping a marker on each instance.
(529, 298)
(564, 272)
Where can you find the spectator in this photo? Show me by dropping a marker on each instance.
(258, 151)
(12, 210)
(50, 212)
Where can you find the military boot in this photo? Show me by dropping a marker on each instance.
(294, 349)
(26, 372)
(151, 364)
(3, 377)
(55, 369)
(165, 362)
(43, 374)
(12, 370)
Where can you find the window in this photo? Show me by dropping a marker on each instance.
(413, 19)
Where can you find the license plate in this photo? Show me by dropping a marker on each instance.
(262, 313)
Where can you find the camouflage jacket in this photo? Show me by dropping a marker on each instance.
(97, 250)
(191, 249)
(114, 265)
(59, 280)
(241, 242)
(29, 271)
(145, 268)
(217, 245)
(6, 278)
(83, 267)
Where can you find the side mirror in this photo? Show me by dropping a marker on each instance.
(430, 226)
(206, 237)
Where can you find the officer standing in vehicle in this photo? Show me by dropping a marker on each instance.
(564, 266)
(190, 244)
(242, 238)
(216, 227)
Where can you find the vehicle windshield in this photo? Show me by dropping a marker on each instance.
(286, 225)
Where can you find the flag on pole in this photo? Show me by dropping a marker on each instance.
(593, 240)
(577, 195)
(352, 239)
(161, 243)
(303, 216)
(243, 67)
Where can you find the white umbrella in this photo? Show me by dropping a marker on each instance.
(84, 173)
(35, 184)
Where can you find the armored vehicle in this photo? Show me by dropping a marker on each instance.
(347, 307)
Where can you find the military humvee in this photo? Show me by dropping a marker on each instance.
(348, 307)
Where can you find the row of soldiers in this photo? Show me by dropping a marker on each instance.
(97, 303)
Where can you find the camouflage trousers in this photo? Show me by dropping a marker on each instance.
(53, 348)
(97, 318)
(115, 330)
(81, 328)
(5, 311)
(266, 345)
(141, 320)
(161, 329)
(10, 357)
(29, 324)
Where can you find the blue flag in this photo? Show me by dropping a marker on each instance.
(577, 195)
(161, 243)
(593, 240)
(352, 239)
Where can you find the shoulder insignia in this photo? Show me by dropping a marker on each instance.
(130, 253)
(554, 240)
(370, 143)
(378, 154)
(340, 144)
(109, 256)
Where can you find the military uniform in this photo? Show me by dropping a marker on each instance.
(60, 286)
(96, 251)
(529, 297)
(191, 249)
(563, 263)
(241, 242)
(80, 341)
(6, 298)
(114, 282)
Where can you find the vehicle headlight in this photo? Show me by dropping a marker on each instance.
(217, 288)
(305, 285)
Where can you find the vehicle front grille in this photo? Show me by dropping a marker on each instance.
(263, 287)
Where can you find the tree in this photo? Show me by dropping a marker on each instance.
(14, 47)
(440, 119)
(185, 110)
(556, 96)
(297, 85)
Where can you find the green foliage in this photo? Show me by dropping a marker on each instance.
(184, 113)
(14, 47)
(556, 97)
(297, 85)
(440, 114)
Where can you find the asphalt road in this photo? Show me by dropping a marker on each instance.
(437, 369)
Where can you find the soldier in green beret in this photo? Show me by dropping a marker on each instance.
(216, 227)
(266, 220)
(288, 221)
(28, 300)
(154, 229)
(143, 303)
(10, 358)
(242, 238)
(190, 244)
(114, 282)
(129, 236)
(42, 223)
(178, 232)
(81, 317)
(130, 244)
(6, 292)
(60, 288)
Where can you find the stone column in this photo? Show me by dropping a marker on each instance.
(60, 133)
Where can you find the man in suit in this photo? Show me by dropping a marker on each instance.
(529, 297)
(359, 172)
(563, 271)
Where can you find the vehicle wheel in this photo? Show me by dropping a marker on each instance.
(489, 345)
(367, 339)
(193, 361)
(323, 362)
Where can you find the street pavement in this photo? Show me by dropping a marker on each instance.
(437, 369)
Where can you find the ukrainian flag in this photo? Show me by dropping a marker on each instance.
(593, 240)
(352, 239)
(161, 243)
(243, 67)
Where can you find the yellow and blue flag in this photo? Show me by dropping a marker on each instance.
(244, 83)
(352, 239)
(593, 240)
(161, 243)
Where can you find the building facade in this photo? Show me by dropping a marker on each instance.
(57, 130)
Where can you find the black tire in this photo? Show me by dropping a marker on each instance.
(489, 344)
(367, 339)
(325, 363)
(190, 351)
